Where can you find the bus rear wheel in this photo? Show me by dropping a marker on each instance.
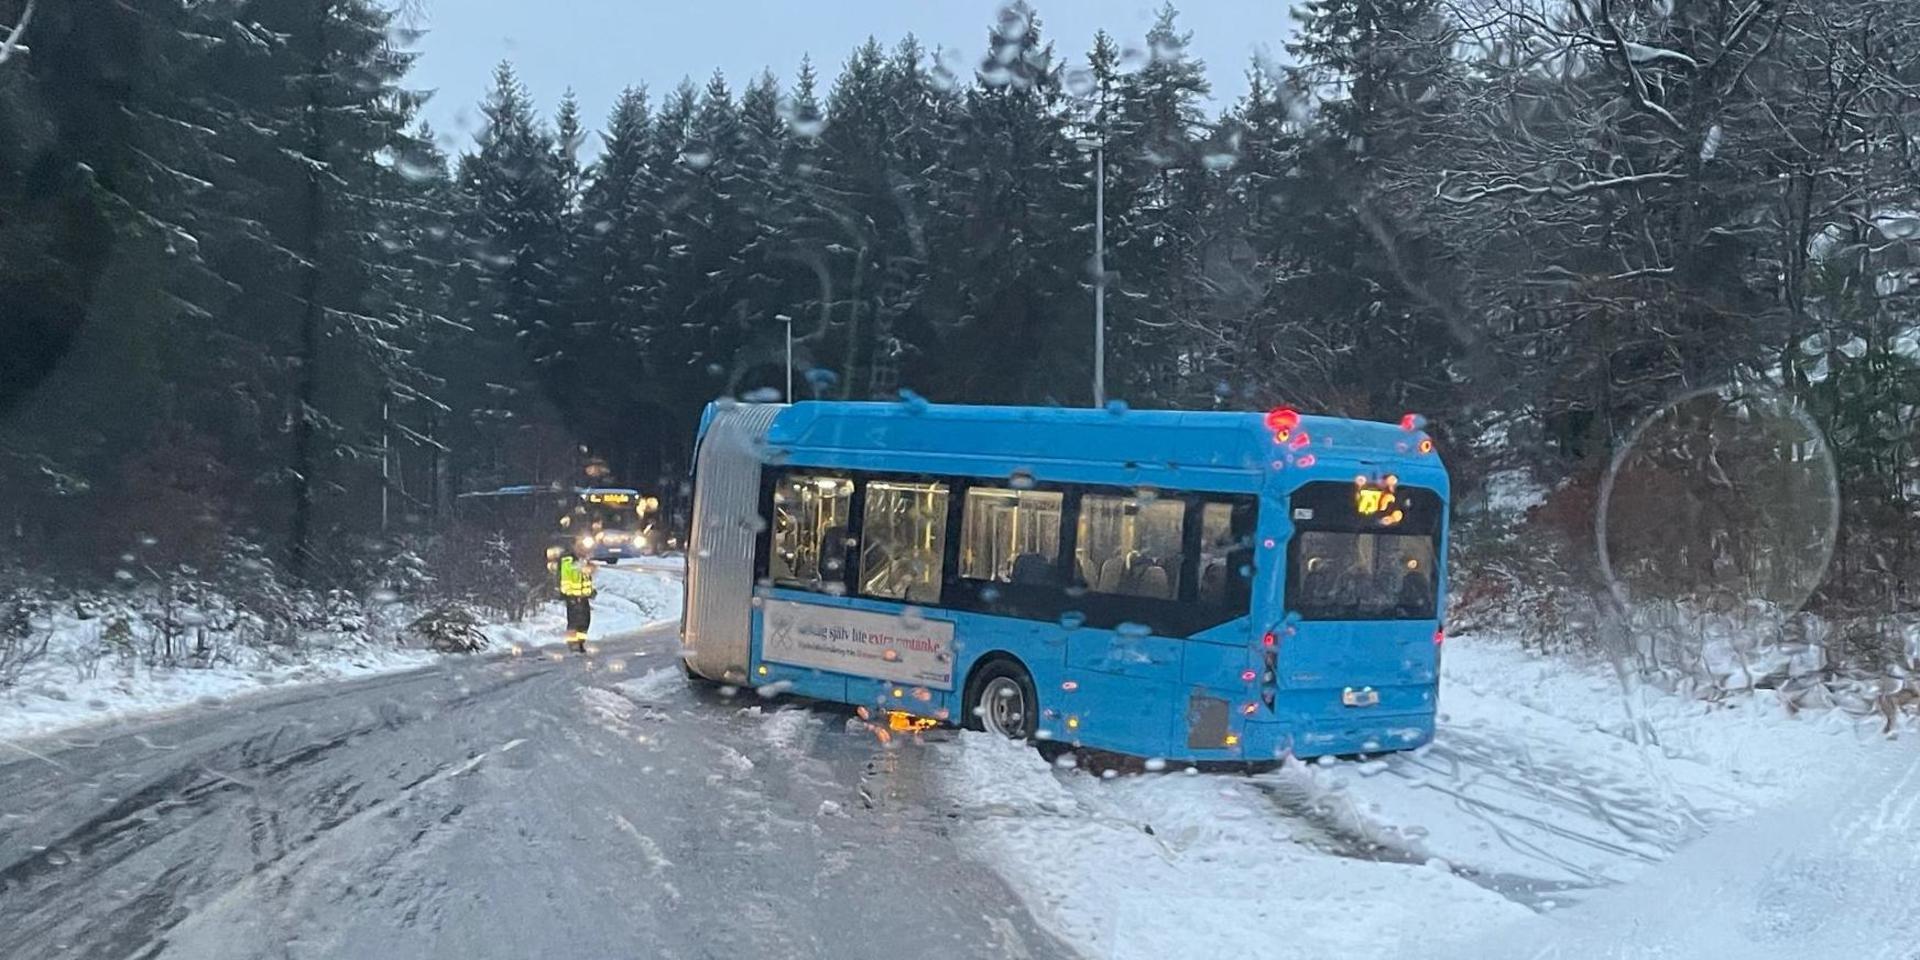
(1004, 701)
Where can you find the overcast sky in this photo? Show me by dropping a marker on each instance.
(599, 46)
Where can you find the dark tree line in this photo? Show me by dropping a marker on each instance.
(243, 282)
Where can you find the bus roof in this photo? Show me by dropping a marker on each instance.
(1158, 445)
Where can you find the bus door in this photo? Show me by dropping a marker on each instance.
(1361, 601)
(1124, 644)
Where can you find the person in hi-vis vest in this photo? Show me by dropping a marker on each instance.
(576, 588)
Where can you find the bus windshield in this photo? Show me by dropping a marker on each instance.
(1364, 576)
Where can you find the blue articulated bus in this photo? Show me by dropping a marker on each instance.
(1203, 586)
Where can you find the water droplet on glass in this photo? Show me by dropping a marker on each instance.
(913, 402)
(1155, 764)
(1133, 631)
(912, 617)
(1073, 619)
(1080, 82)
(1020, 479)
(1219, 162)
(1117, 407)
(990, 593)
(762, 395)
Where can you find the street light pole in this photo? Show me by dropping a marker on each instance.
(789, 321)
(1100, 276)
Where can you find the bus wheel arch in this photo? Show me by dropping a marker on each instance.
(1001, 697)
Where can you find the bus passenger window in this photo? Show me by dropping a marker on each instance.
(809, 530)
(904, 540)
(1130, 547)
(1222, 553)
(1011, 536)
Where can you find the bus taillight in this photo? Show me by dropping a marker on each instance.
(1269, 640)
(1440, 636)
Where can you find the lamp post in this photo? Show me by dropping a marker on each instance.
(1099, 150)
(789, 322)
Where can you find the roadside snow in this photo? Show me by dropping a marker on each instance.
(1535, 799)
(1176, 866)
(629, 600)
(80, 681)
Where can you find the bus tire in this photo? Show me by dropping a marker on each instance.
(1001, 699)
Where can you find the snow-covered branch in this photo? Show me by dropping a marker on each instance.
(1560, 190)
(12, 44)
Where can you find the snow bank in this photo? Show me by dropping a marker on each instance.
(1536, 797)
(1175, 866)
(628, 600)
(83, 680)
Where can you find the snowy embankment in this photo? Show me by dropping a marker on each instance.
(83, 678)
(1534, 810)
(628, 599)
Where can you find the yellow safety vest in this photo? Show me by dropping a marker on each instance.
(576, 578)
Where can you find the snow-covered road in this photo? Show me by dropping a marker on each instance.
(602, 806)
(544, 805)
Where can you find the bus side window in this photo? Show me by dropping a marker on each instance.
(1129, 546)
(1011, 536)
(903, 540)
(809, 542)
(1217, 543)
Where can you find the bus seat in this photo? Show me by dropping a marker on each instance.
(1031, 569)
(1147, 579)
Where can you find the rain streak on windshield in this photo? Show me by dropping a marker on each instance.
(1029, 478)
